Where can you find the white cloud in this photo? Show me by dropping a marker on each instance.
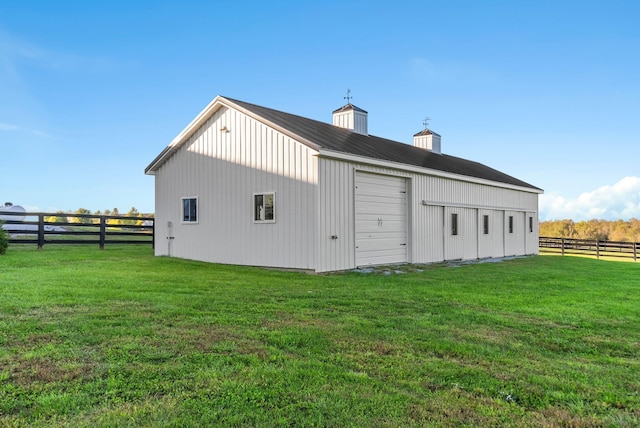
(611, 202)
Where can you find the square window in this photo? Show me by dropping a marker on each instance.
(485, 224)
(510, 224)
(264, 208)
(189, 210)
(454, 223)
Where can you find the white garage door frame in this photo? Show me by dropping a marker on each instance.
(381, 219)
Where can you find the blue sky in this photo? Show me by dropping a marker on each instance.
(547, 91)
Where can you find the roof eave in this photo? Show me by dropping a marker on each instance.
(184, 135)
(151, 168)
(422, 170)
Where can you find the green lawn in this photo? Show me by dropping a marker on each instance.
(121, 338)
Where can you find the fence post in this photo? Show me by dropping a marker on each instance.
(562, 246)
(40, 231)
(103, 231)
(597, 249)
(635, 251)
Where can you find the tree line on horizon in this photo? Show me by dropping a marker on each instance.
(602, 230)
(61, 216)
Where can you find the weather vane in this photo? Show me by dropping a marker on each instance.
(348, 97)
(425, 122)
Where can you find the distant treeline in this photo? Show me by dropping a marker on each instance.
(61, 216)
(603, 230)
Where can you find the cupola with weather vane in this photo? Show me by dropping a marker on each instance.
(351, 117)
(427, 139)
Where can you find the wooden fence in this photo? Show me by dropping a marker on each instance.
(590, 247)
(52, 228)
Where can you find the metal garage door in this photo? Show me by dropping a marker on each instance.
(381, 219)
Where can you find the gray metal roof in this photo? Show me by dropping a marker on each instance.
(331, 137)
(348, 107)
(426, 131)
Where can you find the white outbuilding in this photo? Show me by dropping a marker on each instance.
(10, 212)
(248, 185)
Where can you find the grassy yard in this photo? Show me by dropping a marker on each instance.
(121, 338)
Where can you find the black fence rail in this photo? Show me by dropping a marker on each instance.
(57, 228)
(590, 247)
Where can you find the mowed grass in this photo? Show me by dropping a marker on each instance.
(121, 338)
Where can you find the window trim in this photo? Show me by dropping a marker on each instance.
(510, 224)
(253, 207)
(197, 213)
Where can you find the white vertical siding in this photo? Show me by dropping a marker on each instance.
(453, 244)
(484, 199)
(361, 123)
(470, 233)
(464, 245)
(428, 238)
(532, 235)
(336, 215)
(514, 239)
(492, 243)
(224, 169)
(428, 227)
(344, 119)
(421, 141)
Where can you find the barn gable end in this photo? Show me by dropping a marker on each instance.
(223, 164)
